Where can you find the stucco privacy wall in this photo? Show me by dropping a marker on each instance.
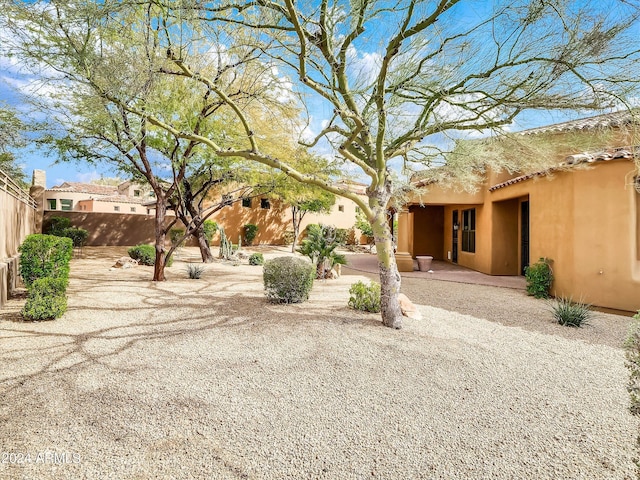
(112, 229)
(17, 220)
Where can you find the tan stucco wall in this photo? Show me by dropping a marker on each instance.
(585, 220)
(95, 205)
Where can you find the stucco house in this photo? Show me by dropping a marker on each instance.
(583, 213)
(127, 197)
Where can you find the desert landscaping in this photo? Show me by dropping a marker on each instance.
(206, 379)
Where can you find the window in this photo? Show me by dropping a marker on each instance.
(341, 208)
(116, 208)
(133, 209)
(136, 193)
(357, 209)
(264, 203)
(246, 202)
(469, 230)
(52, 203)
(66, 204)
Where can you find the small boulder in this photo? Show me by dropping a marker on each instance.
(126, 262)
(409, 310)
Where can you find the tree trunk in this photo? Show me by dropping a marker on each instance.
(389, 275)
(205, 250)
(160, 233)
(296, 227)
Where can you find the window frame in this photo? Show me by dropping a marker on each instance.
(246, 202)
(469, 218)
(66, 205)
(52, 203)
(265, 204)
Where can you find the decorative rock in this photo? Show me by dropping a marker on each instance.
(409, 310)
(126, 262)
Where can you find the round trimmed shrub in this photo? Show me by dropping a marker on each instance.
(288, 279)
(46, 299)
(145, 254)
(256, 259)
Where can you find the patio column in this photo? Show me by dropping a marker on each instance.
(404, 249)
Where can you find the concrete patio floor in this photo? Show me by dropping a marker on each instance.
(445, 271)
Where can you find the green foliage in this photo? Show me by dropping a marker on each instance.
(11, 136)
(570, 313)
(539, 278)
(210, 228)
(288, 237)
(288, 279)
(57, 225)
(250, 232)
(320, 245)
(195, 270)
(144, 254)
(364, 226)
(632, 353)
(342, 235)
(77, 235)
(46, 299)
(175, 234)
(365, 297)
(45, 256)
(256, 259)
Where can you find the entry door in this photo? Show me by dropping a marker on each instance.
(524, 239)
(454, 246)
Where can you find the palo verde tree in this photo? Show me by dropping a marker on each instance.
(395, 78)
(11, 137)
(304, 198)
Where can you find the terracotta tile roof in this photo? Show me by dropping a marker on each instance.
(606, 120)
(628, 153)
(90, 188)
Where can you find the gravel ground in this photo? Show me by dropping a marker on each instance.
(205, 379)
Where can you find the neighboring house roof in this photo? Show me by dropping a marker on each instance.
(606, 120)
(117, 199)
(628, 153)
(90, 188)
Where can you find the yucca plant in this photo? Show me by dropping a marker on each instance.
(570, 313)
(195, 270)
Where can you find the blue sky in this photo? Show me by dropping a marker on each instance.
(12, 80)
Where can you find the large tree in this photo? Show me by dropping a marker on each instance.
(395, 78)
(11, 137)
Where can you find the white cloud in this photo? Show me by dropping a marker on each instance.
(87, 177)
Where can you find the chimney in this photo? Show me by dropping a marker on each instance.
(39, 179)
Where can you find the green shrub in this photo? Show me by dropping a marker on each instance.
(77, 235)
(195, 270)
(365, 297)
(320, 245)
(45, 256)
(570, 313)
(46, 299)
(539, 277)
(210, 228)
(342, 235)
(175, 234)
(56, 225)
(250, 232)
(144, 254)
(288, 279)
(256, 259)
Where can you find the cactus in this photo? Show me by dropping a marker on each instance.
(226, 247)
